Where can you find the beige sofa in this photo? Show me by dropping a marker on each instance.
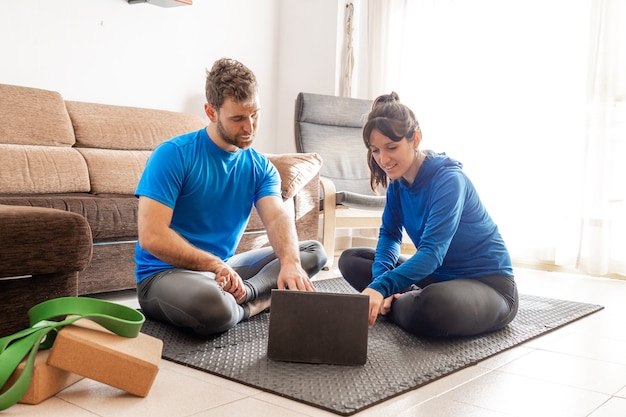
(86, 158)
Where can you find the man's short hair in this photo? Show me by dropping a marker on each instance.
(229, 78)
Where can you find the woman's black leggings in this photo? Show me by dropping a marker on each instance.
(193, 299)
(458, 307)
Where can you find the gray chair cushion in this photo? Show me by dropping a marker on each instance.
(332, 127)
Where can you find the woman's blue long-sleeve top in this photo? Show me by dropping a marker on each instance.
(442, 214)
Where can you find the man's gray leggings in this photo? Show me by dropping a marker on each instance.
(193, 299)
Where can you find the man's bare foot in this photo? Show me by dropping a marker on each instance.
(259, 305)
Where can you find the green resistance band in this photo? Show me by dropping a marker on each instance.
(121, 320)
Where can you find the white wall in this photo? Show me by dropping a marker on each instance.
(309, 40)
(108, 51)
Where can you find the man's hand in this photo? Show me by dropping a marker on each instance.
(293, 277)
(376, 302)
(231, 282)
(281, 231)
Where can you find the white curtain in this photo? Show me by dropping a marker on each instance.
(528, 95)
(603, 226)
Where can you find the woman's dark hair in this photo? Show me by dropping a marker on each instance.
(229, 79)
(395, 121)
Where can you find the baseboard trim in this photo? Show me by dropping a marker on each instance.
(409, 249)
(552, 267)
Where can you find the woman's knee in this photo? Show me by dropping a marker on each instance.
(413, 313)
(355, 265)
(426, 312)
(453, 308)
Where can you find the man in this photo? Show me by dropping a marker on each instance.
(195, 198)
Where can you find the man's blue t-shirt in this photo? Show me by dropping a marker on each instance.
(211, 191)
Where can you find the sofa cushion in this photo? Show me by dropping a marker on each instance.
(39, 241)
(107, 126)
(113, 171)
(296, 170)
(42, 169)
(31, 116)
(112, 217)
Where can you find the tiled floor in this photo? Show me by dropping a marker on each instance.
(578, 370)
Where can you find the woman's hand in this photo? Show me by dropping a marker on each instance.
(386, 305)
(376, 302)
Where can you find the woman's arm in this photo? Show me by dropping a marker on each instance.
(441, 219)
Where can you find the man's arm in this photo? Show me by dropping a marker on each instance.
(157, 237)
(281, 231)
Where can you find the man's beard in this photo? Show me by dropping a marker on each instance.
(229, 139)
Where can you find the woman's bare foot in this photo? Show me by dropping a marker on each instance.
(259, 305)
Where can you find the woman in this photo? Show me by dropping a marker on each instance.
(460, 281)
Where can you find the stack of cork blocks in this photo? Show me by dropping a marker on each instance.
(87, 350)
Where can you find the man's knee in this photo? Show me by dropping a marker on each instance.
(214, 312)
(312, 256)
(189, 299)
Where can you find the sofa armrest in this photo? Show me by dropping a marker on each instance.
(36, 241)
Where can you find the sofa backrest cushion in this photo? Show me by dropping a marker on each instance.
(117, 140)
(107, 126)
(30, 169)
(113, 171)
(36, 139)
(31, 116)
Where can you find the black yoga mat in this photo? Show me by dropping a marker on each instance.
(396, 362)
